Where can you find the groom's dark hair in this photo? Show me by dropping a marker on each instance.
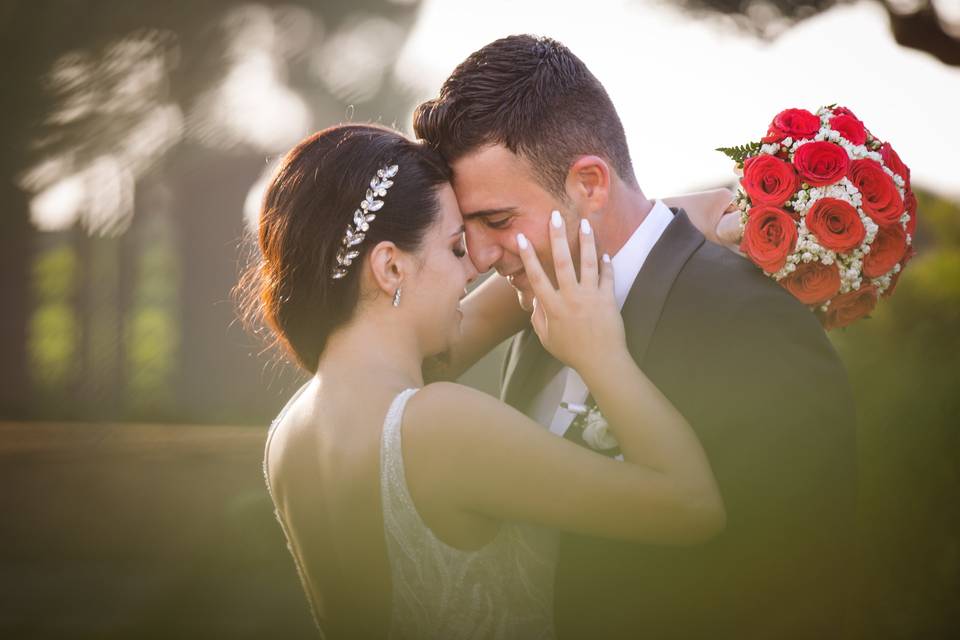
(532, 95)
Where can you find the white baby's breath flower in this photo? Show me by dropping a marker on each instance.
(770, 149)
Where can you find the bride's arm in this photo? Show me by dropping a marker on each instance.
(710, 212)
(704, 208)
(466, 451)
(491, 314)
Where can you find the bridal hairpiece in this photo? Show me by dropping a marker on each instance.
(362, 217)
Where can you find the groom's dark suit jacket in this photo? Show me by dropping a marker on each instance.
(755, 375)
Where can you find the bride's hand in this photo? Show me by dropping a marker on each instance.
(728, 230)
(578, 322)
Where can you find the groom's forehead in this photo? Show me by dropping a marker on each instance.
(490, 162)
(490, 178)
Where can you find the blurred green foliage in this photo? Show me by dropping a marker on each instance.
(152, 339)
(904, 364)
(53, 329)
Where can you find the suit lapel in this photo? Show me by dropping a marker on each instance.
(644, 303)
(529, 366)
(528, 369)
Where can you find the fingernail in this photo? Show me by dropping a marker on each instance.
(522, 241)
(555, 219)
(585, 226)
(606, 257)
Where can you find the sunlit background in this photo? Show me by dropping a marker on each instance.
(136, 140)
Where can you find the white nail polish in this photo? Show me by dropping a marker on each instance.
(522, 241)
(606, 257)
(555, 219)
(585, 226)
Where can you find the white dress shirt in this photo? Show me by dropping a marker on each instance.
(567, 385)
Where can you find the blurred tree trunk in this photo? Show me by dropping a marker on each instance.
(922, 31)
(19, 103)
(15, 249)
(214, 382)
(914, 25)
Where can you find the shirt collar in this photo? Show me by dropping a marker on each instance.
(628, 261)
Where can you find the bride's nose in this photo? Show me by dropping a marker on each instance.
(472, 272)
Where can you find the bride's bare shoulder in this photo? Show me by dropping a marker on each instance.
(451, 396)
(453, 408)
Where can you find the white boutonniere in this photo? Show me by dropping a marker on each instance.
(596, 429)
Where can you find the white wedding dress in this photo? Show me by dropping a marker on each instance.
(503, 590)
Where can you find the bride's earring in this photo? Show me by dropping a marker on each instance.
(396, 298)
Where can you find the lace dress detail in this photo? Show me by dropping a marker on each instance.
(503, 590)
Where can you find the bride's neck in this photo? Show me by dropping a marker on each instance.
(375, 350)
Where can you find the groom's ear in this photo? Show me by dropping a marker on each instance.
(588, 182)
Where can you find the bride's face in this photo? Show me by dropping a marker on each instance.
(440, 283)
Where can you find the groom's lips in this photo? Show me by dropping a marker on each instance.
(517, 278)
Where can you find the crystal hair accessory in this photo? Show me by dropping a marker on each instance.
(362, 217)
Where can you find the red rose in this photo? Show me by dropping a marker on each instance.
(895, 278)
(792, 123)
(908, 256)
(769, 180)
(850, 306)
(881, 200)
(850, 128)
(768, 237)
(894, 163)
(813, 282)
(836, 224)
(910, 202)
(887, 249)
(843, 111)
(821, 163)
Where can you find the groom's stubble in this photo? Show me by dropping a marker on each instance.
(500, 197)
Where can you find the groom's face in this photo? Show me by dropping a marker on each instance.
(499, 198)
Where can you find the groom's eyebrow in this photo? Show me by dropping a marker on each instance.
(488, 212)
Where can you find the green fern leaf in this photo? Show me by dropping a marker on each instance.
(741, 153)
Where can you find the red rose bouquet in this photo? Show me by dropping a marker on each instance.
(826, 210)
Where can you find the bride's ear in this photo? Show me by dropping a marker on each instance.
(588, 183)
(387, 266)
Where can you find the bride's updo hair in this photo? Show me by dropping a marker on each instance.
(306, 209)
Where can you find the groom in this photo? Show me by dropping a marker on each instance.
(527, 129)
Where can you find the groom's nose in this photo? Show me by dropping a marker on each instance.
(483, 247)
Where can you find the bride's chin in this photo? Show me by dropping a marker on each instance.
(526, 301)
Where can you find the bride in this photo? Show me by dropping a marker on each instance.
(418, 510)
